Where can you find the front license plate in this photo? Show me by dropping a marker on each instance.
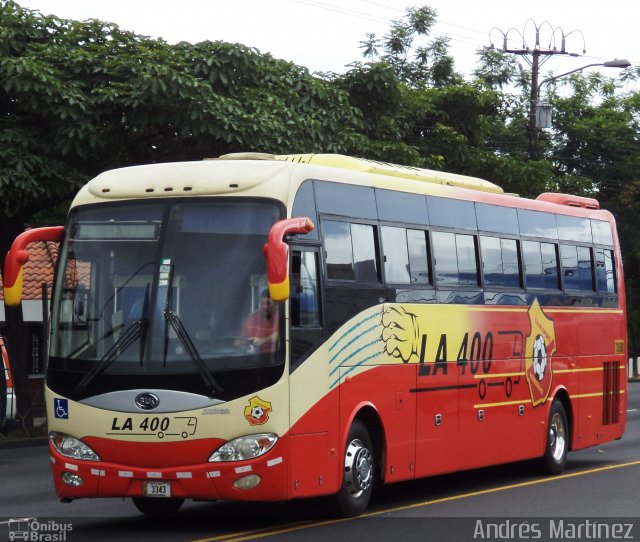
(156, 489)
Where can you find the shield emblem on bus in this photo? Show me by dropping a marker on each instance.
(257, 413)
(540, 347)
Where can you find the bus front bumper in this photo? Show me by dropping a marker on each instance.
(260, 479)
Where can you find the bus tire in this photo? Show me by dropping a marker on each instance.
(156, 506)
(557, 441)
(358, 474)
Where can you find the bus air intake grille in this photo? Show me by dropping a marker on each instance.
(611, 395)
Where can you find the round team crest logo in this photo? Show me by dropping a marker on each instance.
(540, 347)
(257, 412)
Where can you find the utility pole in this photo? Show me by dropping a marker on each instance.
(538, 57)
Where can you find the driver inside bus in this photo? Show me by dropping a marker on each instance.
(260, 328)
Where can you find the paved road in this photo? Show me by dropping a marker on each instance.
(598, 483)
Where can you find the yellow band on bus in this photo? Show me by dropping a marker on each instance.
(279, 291)
(13, 294)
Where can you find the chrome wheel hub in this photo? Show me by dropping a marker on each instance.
(557, 437)
(358, 468)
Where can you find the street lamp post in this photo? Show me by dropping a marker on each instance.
(541, 110)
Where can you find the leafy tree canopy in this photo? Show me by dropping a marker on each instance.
(81, 97)
(406, 48)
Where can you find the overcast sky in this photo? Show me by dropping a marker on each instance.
(324, 35)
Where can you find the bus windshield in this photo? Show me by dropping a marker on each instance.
(167, 294)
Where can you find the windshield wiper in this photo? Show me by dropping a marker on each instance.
(144, 317)
(136, 330)
(128, 337)
(174, 320)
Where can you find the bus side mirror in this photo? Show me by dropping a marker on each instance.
(276, 251)
(18, 256)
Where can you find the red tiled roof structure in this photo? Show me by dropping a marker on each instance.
(39, 269)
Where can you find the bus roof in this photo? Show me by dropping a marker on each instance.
(276, 176)
(279, 176)
(365, 165)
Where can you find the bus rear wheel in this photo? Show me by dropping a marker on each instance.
(152, 506)
(557, 446)
(358, 475)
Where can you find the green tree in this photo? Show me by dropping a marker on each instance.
(595, 134)
(406, 48)
(81, 97)
(626, 208)
(409, 92)
(495, 69)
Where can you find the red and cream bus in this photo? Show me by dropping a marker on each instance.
(419, 323)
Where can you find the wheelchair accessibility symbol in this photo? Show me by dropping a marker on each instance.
(61, 408)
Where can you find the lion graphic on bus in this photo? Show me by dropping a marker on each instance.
(400, 333)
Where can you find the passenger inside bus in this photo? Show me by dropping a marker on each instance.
(260, 328)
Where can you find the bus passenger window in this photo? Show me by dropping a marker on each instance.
(405, 256)
(569, 255)
(339, 253)
(500, 262)
(532, 264)
(418, 257)
(445, 258)
(541, 265)
(537, 224)
(305, 306)
(576, 267)
(305, 205)
(573, 228)
(364, 253)
(396, 255)
(550, 266)
(350, 251)
(605, 271)
(585, 269)
(601, 230)
(467, 261)
(511, 263)
(455, 259)
(492, 261)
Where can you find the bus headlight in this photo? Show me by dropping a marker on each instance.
(72, 447)
(247, 447)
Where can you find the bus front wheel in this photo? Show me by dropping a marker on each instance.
(358, 474)
(156, 506)
(557, 445)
